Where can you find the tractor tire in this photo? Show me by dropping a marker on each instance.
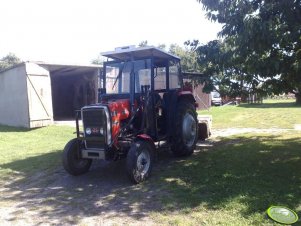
(139, 161)
(186, 130)
(71, 161)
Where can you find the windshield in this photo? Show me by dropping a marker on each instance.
(118, 76)
(215, 95)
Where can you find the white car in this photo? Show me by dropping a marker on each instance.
(216, 99)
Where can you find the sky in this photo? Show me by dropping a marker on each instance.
(77, 31)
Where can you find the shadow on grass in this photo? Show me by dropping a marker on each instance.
(30, 165)
(253, 172)
(4, 128)
(271, 105)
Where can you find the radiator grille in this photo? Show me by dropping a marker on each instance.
(94, 117)
(95, 127)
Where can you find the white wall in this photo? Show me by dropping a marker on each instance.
(13, 97)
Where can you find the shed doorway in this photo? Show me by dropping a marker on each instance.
(72, 87)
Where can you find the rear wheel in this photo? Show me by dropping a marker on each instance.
(186, 131)
(139, 161)
(74, 164)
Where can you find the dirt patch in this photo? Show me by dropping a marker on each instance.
(104, 196)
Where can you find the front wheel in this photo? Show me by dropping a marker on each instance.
(72, 162)
(139, 161)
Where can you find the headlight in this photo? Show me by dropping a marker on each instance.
(88, 131)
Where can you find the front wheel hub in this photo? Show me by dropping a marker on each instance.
(143, 162)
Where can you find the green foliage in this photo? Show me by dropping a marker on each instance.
(143, 43)
(8, 61)
(188, 57)
(99, 60)
(225, 69)
(162, 46)
(262, 40)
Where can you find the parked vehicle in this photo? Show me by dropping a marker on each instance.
(141, 105)
(216, 99)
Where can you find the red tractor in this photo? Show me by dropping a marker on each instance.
(141, 106)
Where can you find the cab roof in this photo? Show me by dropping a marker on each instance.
(128, 53)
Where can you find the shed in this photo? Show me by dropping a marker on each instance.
(203, 99)
(34, 94)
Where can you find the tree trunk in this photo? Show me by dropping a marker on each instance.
(298, 98)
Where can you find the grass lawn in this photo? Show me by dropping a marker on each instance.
(41, 148)
(232, 182)
(270, 114)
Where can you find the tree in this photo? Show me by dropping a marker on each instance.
(226, 70)
(188, 56)
(9, 61)
(99, 60)
(210, 57)
(143, 43)
(265, 36)
(162, 46)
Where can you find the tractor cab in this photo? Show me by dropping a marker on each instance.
(131, 74)
(130, 68)
(141, 102)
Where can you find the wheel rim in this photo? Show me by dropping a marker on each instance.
(189, 129)
(143, 162)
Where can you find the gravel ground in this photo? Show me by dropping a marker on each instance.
(104, 196)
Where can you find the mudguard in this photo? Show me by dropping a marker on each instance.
(147, 138)
(187, 95)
